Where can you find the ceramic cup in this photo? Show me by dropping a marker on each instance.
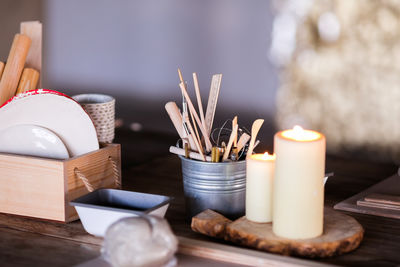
(101, 109)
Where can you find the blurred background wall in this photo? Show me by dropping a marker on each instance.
(132, 49)
(339, 70)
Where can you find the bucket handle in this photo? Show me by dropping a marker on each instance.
(87, 183)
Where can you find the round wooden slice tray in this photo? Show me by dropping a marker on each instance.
(342, 234)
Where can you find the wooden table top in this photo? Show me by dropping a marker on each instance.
(147, 167)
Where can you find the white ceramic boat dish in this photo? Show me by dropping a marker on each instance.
(101, 208)
(32, 140)
(56, 112)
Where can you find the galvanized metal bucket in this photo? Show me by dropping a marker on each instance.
(217, 186)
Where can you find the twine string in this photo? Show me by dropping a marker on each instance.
(87, 183)
(85, 180)
(117, 176)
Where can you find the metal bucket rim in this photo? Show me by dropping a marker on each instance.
(213, 163)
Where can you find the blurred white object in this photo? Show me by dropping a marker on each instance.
(119, 123)
(284, 31)
(283, 38)
(346, 52)
(136, 126)
(140, 241)
(329, 27)
(32, 140)
(298, 7)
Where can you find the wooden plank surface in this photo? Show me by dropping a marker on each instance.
(69, 231)
(19, 248)
(231, 254)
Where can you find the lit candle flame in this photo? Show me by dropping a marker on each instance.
(298, 129)
(264, 157)
(299, 134)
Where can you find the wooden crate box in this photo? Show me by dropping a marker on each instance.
(42, 188)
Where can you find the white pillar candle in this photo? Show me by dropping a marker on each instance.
(298, 196)
(259, 185)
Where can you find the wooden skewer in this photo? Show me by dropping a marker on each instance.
(254, 131)
(198, 96)
(199, 148)
(193, 110)
(197, 136)
(244, 138)
(29, 80)
(1, 68)
(192, 155)
(234, 122)
(229, 146)
(180, 75)
(187, 133)
(15, 65)
(176, 118)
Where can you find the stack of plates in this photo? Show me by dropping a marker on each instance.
(46, 123)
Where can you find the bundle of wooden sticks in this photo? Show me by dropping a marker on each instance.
(199, 146)
(21, 71)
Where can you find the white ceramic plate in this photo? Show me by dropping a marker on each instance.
(32, 140)
(56, 112)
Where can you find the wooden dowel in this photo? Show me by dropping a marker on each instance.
(1, 68)
(15, 65)
(192, 155)
(29, 80)
(191, 107)
(198, 97)
(33, 29)
(176, 118)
